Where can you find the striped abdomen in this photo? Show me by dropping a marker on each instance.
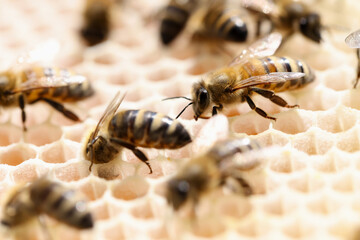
(148, 129)
(60, 203)
(176, 14)
(226, 24)
(72, 90)
(266, 65)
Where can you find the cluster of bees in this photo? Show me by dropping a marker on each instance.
(255, 70)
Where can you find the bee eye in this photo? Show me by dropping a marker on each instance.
(203, 97)
(183, 188)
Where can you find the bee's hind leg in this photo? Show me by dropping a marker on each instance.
(273, 97)
(257, 110)
(59, 107)
(136, 151)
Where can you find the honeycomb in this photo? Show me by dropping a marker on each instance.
(305, 187)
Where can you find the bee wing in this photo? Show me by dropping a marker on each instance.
(261, 48)
(109, 111)
(49, 82)
(276, 77)
(353, 40)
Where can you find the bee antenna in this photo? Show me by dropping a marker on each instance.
(184, 110)
(176, 98)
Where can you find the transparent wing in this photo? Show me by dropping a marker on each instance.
(49, 82)
(276, 77)
(264, 47)
(353, 40)
(42, 53)
(109, 111)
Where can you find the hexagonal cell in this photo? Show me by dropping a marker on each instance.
(313, 141)
(337, 120)
(287, 161)
(203, 66)
(148, 58)
(234, 206)
(27, 172)
(100, 210)
(349, 141)
(324, 203)
(105, 59)
(9, 134)
(305, 182)
(123, 76)
(43, 134)
(298, 228)
(248, 124)
(142, 210)
(130, 188)
(93, 188)
(73, 171)
(343, 182)
(162, 74)
(59, 152)
(16, 154)
(209, 227)
(293, 122)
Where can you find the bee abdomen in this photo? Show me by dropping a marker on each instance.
(60, 203)
(148, 129)
(274, 64)
(226, 24)
(175, 18)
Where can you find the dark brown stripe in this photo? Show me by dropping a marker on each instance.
(265, 66)
(286, 64)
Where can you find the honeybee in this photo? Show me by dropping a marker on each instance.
(132, 129)
(209, 170)
(48, 197)
(254, 70)
(30, 83)
(211, 20)
(353, 41)
(96, 21)
(289, 15)
(174, 19)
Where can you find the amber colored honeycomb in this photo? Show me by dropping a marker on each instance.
(305, 187)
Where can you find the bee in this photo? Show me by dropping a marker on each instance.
(214, 19)
(44, 196)
(48, 84)
(353, 41)
(254, 70)
(132, 129)
(28, 81)
(289, 15)
(175, 17)
(96, 21)
(226, 22)
(207, 171)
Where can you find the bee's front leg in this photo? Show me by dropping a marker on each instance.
(216, 108)
(22, 108)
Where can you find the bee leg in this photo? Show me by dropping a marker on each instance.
(273, 97)
(258, 110)
(62, 109)
(135, 150)
(216, 108)
(22, 107)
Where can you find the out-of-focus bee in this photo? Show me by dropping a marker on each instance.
(28, 82)
(175, 17)
(254, 70)
(132, 129)
(209, 170)
(289, 15)
(96, 21)
(211, 20)
(353, 41)
(48, 197)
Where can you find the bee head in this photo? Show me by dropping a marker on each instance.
(186, 186)
(100, 150)
(201, 99)
(310, 26)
